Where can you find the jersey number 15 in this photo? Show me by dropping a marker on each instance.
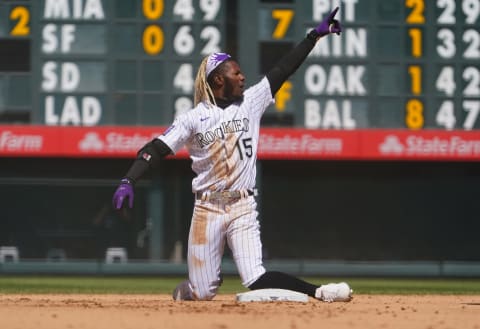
(246, 145)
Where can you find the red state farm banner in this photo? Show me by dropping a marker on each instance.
(86, 142)
(274, 143)
(283, 143)
(421, 145)
(107, 141)
(30, 141)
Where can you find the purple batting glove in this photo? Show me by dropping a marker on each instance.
(329, 25)
(124, 190)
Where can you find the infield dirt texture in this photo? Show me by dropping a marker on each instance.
(53, 311)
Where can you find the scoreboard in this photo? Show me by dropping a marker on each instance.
(98, 62)
(399, 64)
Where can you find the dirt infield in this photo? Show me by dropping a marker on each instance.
(159, 311)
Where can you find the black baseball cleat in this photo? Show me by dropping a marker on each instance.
(183, 291)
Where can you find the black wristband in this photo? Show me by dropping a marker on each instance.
(127, 180)
(313, 35)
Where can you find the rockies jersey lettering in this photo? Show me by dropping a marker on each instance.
(222, 143)
(229, 127)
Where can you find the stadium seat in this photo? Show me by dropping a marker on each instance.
(116, 255)
(56, 255)
(8, 254)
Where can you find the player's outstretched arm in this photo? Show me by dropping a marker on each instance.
(289, 63)
(147, 157)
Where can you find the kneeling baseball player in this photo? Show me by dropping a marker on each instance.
(221, 135)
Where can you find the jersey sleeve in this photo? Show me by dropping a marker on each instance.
(259, 96)
(177, 134)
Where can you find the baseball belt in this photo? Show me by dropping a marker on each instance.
(224, 195)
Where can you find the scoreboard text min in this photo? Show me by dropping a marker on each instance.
(398, 63)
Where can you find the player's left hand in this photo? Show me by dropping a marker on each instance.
(124, 191)
(329, 25)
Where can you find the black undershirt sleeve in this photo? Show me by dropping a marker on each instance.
(148, 157)
(289, 63)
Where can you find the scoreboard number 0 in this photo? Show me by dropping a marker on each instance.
(153, 38)
(152, 9)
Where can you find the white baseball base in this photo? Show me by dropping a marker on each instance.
(272, 295)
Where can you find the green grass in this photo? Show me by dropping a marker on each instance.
(87, 285)
(160, 285)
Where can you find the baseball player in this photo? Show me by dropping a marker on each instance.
(221, 135)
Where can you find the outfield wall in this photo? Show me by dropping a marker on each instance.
(295, 267)
(310, 211)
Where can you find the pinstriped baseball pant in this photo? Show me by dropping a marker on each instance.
(213, 224)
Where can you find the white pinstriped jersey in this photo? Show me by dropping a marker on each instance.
(222, 143)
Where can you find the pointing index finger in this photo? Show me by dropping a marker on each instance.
(333, 13)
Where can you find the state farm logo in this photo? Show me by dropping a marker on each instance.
(113, 142)
(306, 143)
(10, 141)
(391, 145)
(91, 142)
(429, 146)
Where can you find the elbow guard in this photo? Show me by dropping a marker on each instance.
(153, 152)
